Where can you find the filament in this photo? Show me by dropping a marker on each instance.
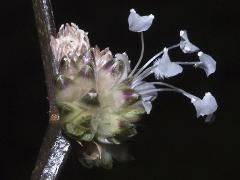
(141, 56)
(153, 58)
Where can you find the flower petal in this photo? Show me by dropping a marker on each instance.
(147, 98)
(147, 106)
(185, 45)
(206, 106)
(208, 64)
(139, 23)
(143, 86)
(166, 68)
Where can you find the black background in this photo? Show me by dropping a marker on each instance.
(172, 143)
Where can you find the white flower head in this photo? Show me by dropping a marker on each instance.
(185, 45)
(166, 68)
(139, 23)
(206, 106)
(207, 63)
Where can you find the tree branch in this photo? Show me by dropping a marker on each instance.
(55, 146)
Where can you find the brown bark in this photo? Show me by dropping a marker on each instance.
(55, 146)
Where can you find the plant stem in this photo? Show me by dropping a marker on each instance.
(52, 155)
(55, 146)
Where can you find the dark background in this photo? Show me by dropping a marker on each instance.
(172, 143)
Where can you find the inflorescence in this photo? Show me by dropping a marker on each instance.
(100, 98)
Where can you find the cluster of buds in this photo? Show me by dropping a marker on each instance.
(100, 98)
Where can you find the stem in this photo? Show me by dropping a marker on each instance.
(140, 58)
(153, 58)
(52, 155)
(55, 146)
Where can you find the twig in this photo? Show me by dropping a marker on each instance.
(52, 155)
(55, 146)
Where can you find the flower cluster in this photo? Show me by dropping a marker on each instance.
(100, 98)
(162, 66)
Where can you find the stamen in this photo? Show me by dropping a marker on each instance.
(190, 96)
(147, 91)
(144, 74)
(140, 58)
(188, 63)
(142, 77)
(153, 58)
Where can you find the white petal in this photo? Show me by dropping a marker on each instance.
(143, 86)
(208, 64)
(166, 68)
(165, 57)
(147, 106)
(147, 98)
(139, 23)
(206, 106)
(185, 45)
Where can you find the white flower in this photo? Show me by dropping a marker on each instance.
(185, 45)
(166, 68)
(205, 106)
(207, 63)
(139, 23)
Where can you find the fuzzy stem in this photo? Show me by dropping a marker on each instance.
(55, 146)
(140, 58)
